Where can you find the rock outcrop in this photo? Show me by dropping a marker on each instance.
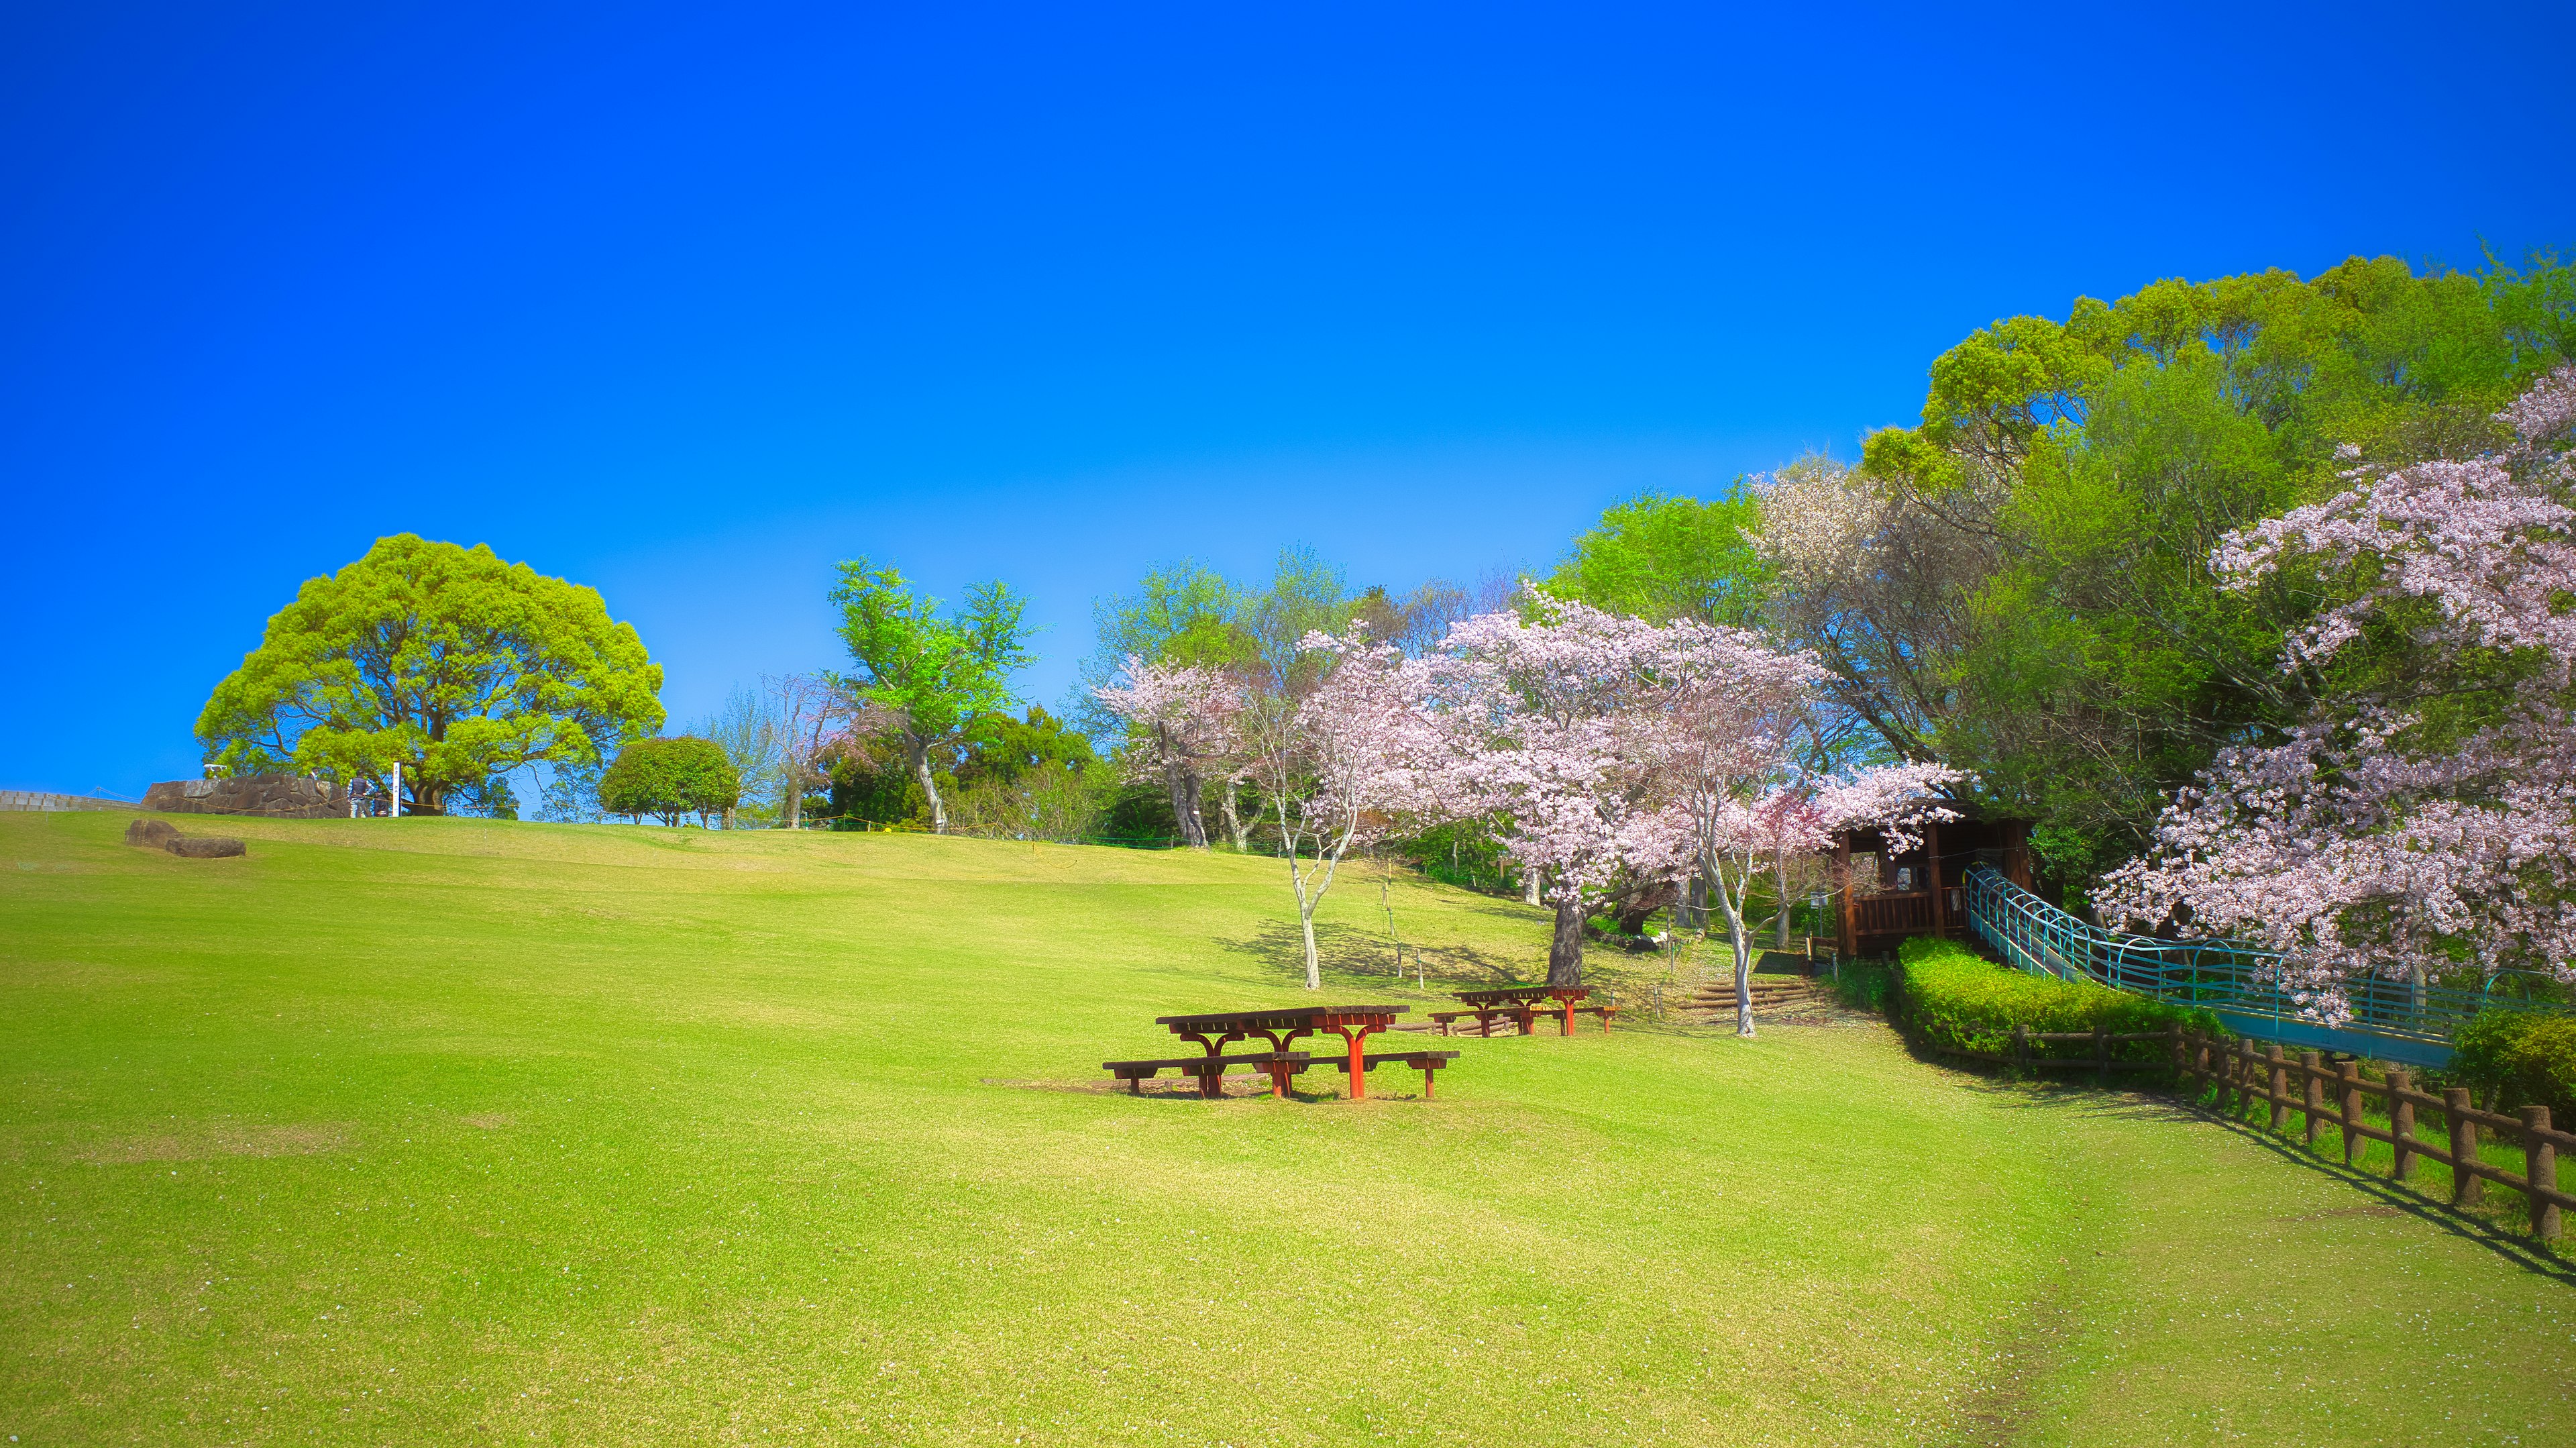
(205, 847)
(272, 796)
(151, 834)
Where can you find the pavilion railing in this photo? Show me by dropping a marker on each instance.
(2221, 975)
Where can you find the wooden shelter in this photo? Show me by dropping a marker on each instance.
(1891, 896)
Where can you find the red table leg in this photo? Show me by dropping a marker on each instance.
(1568, 1028)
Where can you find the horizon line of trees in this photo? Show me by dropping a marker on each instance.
(2039, 589)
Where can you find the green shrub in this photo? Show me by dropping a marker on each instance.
(1951, 997)
(669, 778)
(1867, 985)
(2517, 1058)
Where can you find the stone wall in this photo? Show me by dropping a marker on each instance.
(274, 796)
(39, 800)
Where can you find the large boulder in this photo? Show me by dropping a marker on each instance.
(272, 796)
(151, 834)
(205, 847)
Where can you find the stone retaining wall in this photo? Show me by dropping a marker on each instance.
(273, 796)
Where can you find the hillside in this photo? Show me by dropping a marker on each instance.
(444, 1130)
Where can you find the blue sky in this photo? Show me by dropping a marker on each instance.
(687, 303)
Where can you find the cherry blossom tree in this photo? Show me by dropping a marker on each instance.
(2423, 818)
(1733, 722)
(811, 714)
(1182, 719)
(1339, 766)
(1552, 728)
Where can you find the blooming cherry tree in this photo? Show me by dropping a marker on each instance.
(1340, 766)
(1733, 719)
(1183, 720)
(1552, 728)
(2427, 820)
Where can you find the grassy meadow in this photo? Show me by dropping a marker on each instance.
(455, 1131)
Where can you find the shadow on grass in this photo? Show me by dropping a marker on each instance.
(1182, 1089)
(1352, 957)
(2391, 1196)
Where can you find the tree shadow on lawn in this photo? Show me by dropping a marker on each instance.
(1239, 1087)
(2393, 1197)
(1359, 958)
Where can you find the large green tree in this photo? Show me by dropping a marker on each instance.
(442, 659)
(923, 677)
(1661, 558)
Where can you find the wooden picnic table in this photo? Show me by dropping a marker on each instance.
(1354, 1024)
(1523, 1003)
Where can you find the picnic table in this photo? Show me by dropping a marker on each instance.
(1524, 1002)
(1354, 1024)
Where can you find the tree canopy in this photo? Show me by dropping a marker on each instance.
(2022, 585)
(923, 676)
(1665, 559)
(668, 778)
(443, 659)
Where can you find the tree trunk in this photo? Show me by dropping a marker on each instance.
(1691, 911)
(1529, 886)
(1314, 966)
(1183, 785)
(1743, 984)
(793, 807)
(1780, 878)
(1565, 949)
(929, 785)
(1736, 898)
(1234, 824)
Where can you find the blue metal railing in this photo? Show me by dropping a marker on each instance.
(2392, 1020)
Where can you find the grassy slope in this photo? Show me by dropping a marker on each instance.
(439, 1130)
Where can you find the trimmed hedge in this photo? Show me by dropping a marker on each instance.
(2515, 1058)
(1952, 997)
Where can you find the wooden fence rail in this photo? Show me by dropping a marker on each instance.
(2241, 1074)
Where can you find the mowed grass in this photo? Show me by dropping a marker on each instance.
(452, 1131)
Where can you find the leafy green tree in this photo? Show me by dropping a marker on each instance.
(668, 778)
(1182, 613)
(924, 677)
(1001, 749)
(1662, 558)
(443, 659)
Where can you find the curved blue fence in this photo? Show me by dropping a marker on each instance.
(2409, 1022)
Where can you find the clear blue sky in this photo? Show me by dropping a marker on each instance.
(687, 303)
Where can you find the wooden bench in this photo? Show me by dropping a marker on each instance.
(1604, 1012)
(1426, 1062)
(1446, 1020)
(1207, 1068)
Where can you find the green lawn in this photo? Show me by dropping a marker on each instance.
(433, 1130)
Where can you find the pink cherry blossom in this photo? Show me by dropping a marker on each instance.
(2427, 823)
(1182, 723)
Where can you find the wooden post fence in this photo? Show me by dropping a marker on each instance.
(2233, 1075)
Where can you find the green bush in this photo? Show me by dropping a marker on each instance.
(2516, 1058)
(1950, 997)
(669, 778)
(1867, 985)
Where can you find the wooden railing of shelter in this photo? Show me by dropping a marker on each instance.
(1893, 913)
